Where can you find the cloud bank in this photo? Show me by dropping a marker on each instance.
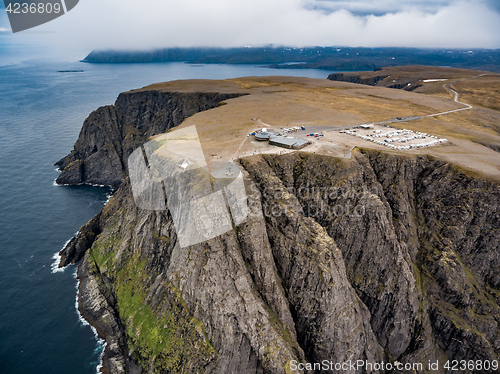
(127, 24)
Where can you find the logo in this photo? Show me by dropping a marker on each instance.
(171, 172)
(25, 15)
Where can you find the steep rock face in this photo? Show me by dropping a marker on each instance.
(330, 319)
(349, 203)
(111, 133)
(381, 257)
(99, 307)
(409, 83)
(356, 78)
(429, 235)
(189, 310)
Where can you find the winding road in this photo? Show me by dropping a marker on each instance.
(456, 96)
(415, 118)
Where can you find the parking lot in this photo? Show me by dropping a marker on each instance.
(395, 138)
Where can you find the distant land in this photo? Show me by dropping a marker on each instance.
(327, 58)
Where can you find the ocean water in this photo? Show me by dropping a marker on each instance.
(41, 113)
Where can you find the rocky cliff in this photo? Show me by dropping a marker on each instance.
(111, 133)
(374, 79)
(380, 258)
(357, 78)
(408, 78)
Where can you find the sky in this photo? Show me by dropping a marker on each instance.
(146, 24)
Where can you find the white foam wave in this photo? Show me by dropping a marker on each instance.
(80, 184)
(98, 185)
(54, 267)
(65, 184)
(101, 343)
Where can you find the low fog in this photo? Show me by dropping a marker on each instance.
(134, 25)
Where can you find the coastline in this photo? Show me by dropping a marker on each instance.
(101, 343)
(103, 251)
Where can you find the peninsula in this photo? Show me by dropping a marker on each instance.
(352, 250)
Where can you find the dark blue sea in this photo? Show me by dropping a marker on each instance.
(41, 113)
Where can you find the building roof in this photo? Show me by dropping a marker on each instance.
(265, 135)
(288, 141)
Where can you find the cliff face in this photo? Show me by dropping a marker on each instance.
(379, 258)
(356, 78)
(419, 242)
(410, 83)
(111, 133)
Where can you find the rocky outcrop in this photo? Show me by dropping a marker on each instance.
(111, 133)
(378, 258)
(356, 78)
(409, 78)
(372, 79)
(99, 308)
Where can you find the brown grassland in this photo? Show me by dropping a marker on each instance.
(277, 102)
